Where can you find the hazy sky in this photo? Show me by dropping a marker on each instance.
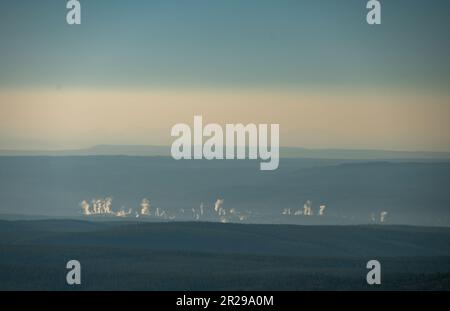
(134, 68)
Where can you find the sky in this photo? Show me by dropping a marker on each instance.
(133, 69)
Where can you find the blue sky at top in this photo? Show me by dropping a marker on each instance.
(212, 43)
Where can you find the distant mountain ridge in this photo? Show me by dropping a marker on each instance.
(285, 152)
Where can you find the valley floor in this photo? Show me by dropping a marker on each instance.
(212, 256)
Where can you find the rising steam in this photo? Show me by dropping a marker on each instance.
(307, 210)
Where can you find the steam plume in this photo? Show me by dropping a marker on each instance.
(307, 208)
(322, 210)
(383, 216)
(145, 207)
